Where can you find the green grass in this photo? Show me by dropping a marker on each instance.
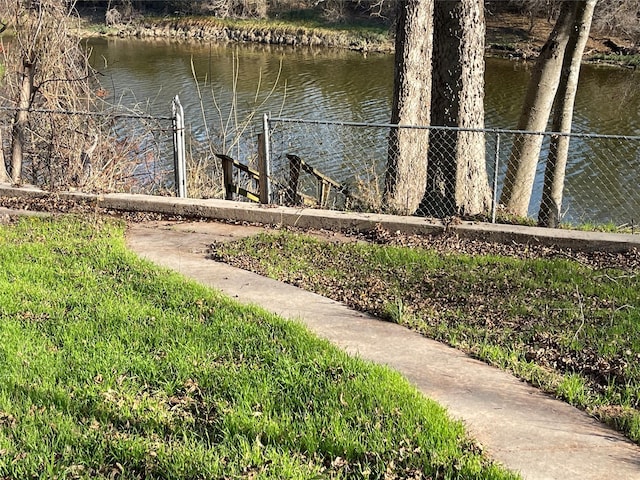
(608, 227)
(336, 34)
(617, 59)
(571, 329)
(110, 367)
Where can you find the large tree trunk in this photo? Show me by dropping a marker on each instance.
(554, 175)
(457, 181)
(20, 122)
(407, 158)
(541, 91)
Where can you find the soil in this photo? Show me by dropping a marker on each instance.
(517, 36)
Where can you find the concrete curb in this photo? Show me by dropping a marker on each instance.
(333, 220)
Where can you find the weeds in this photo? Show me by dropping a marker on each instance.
(226, 134)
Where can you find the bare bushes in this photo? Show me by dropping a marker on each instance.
(113, 17)
(619, 17)
(231, 130)
(611, 17)
(236, 8)
(46, 69)
(58, 132)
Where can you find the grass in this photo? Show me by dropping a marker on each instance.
(110, 367)
(339, 33)
(352, 33)
(571, 329)
(632, 61)
(607, 227)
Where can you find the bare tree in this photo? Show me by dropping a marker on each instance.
(406, 174)
(456, 174)
(46, 69)
(549, 215)
(4, 174)
(541, 91)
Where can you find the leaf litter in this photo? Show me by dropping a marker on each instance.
(554, 308)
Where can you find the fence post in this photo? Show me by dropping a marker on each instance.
(496, 164)
(227, 176)
(263, 169)
(264, 161)
(179, 157)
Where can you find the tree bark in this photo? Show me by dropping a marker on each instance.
(457, 181)
(20, 121)
(550, 207)
(406, 173)
(4, 175)
(541, 91)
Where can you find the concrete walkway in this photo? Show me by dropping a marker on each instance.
(527, 431)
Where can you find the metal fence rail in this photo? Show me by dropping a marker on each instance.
(601, 184)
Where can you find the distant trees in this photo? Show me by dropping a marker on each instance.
(610, 17)
(615, 17)
(335, 10)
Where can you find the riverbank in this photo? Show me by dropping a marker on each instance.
(269, 32)
(508, 35)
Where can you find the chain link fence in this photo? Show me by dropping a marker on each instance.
(427, 171)
(360, 166)
(108, 151)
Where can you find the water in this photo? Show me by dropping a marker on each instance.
(326, 84)
(335, 84)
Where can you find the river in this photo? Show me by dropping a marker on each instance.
(328, 84)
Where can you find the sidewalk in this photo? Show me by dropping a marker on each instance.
(527, 431)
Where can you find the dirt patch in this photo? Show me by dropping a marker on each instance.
(518, 36)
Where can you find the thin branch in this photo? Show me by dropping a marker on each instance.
(575, 336)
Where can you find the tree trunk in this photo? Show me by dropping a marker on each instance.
(457, 181)
(407, 158)
(554, 175)
(4, 175)
(541, 91)
(20, 122)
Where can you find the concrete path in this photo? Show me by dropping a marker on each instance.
(527, 431)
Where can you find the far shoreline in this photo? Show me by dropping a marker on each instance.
(506, 36)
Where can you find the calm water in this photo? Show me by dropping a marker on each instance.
(340, 85)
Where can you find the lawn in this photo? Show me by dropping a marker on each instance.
(566, 322)
(111, 367)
